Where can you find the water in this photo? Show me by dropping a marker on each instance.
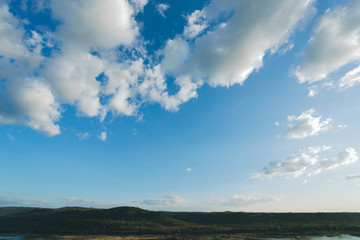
(342, 237)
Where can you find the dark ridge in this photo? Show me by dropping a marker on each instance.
(136, 221)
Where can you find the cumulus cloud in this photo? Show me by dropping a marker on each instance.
(24, 99)
(73, 79)
(98, 64)
(335, 43)
(67, 77)
(11, 34)
(103, 136)
(196, 23)
(161, 8)
(308, 162)
(93, 23)
(242, 33)
(29, 102)
(139, 4)
(306, 125)
(241, 200)
(171, 200)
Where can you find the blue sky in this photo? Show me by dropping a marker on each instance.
(180, 105)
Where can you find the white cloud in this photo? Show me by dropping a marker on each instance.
(240, 200)
(351, 78)
(346, 157)
(342, 126)
(171, 200)
(30, 102)
(93, 23)
(312, 92)
(11, 34)
(306, 125)
(196, 24)
(222, 55)
(308, 162)
(315, 88)
(103, 136)
(153, 89)
(284, 49)
(83, 136)
(175, 54)
(161, 8)
(335, 43)
(189, 170)
(235, 47)
(73, 79)
(24, 99)
(139, 4)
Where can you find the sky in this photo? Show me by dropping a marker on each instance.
(209, 105)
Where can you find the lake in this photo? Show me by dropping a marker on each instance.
(342, 237)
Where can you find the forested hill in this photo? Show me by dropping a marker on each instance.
(130, 220)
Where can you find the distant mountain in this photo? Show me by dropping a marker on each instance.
(136, 221)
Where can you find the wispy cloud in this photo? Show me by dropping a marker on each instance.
(237, 201)
(353, 177)
(38, 85)
(6, 201)
(307, 162)
(161, 8)
(83, 136)
(334, 44)
(170, 200)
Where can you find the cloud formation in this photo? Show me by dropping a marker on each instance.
(350, 79)
(306, 125)
(103, 136)
(237, 201)
(170, 200)
(307, 162)
(161, 8)
(94, 59)
(241, 34)
(6, 201)
(335, 43)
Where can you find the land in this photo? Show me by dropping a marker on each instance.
(125, 223)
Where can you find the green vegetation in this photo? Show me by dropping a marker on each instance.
(124, 221)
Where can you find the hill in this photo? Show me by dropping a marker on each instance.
(136, 221)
